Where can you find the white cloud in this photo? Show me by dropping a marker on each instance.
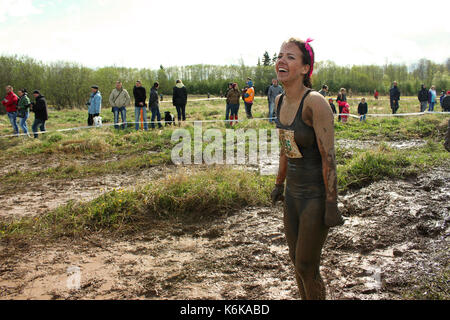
(149, 33)
(17, 8)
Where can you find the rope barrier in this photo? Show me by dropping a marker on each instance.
(127, 123)
(218, 120)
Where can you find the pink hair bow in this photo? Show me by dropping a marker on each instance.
(308, 47)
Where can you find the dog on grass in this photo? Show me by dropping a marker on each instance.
(98, 121)
(169, 119)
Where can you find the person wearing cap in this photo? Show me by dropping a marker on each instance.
(10, 103)
(345, 113)
(249, 97)
(40, 113)
(140, 107)
(23, 107)
(119, 99)
(94, 104)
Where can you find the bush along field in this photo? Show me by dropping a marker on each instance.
(85, 188)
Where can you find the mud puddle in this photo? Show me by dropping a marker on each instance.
(370, 144)
(38, 197)
(395, 231)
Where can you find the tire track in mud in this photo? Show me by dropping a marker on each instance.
(395, 232)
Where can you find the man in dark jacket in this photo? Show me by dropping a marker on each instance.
(446, 102)
(179, 100)
(40, 113)
(153, 104)
(140, 108)
(394, 94)
(423, 98)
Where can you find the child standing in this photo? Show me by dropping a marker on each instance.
(362, 109)
(345, 112)
(332, 106)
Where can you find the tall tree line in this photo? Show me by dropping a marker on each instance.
(66, 84)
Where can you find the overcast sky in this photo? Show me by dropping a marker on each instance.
(140, 34)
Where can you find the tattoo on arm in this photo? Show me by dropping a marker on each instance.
(323, 124)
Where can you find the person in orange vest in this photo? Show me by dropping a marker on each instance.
(249, 97)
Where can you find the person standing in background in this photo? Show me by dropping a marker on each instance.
(324, 90)
(179, 100)
(423, 98)
(153, 104)
(23, 109)
(94, 104)
(233, 98)
(332, 106)
(140, 107)
(441, 99)
(274, 91)
(446, 102)
(249, 98)
(230, 86)
(40, 113)
(119, 99)
(431, 98)
(10, 103)
(394, 95)
(341, 101)
(363, 109)
(376, 94)
(228, 104)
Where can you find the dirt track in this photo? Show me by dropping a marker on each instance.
(395, 231)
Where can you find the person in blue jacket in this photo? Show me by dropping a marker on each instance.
(431, 98)
(94, 105)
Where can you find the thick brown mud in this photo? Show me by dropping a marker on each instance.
(42, 195)
(396, 232)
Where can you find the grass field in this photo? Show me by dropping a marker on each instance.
(81, 153)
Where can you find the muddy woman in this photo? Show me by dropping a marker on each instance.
(307, 163)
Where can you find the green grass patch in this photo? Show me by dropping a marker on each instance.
(363, 167)
(197, 196)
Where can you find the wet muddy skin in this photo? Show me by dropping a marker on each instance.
(396, 231)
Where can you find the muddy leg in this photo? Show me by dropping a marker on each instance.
(291, 222)
(311, 238)
(301, 288)
(447, 138)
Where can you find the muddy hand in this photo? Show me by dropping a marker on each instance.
(333, 217)
(277, 193)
